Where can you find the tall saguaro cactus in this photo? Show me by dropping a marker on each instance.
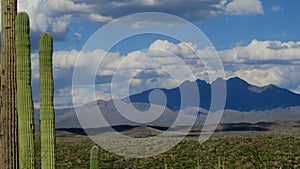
(94, 158)
(8, 113)
(46, 103)
(24, 93)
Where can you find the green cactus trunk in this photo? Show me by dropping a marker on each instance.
(47, 117)
(8, 87)
(24, 93)
(94, 158)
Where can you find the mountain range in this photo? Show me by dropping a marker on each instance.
(241, 95)
(244, 103)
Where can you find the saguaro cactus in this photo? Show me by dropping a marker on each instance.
(24, 93)
(94, 158)
(8, 113)
(46, 103)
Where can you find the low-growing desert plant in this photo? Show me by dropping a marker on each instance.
(166, 165)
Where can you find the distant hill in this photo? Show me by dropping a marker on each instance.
(241, 96)
(110, 113)
(69, 118)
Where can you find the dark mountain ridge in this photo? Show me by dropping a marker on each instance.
(241, 95)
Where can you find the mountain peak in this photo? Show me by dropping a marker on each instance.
(201, 81)
(271, 86)
(237, 79)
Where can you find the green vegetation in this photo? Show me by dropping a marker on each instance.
(73, 151)
(24, 93)
(94, 158)
(47, 118)
(8, 86)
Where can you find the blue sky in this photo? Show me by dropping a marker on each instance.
(277, 23)
(257, 40)
(224, 30)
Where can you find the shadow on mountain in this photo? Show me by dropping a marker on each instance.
(239, 127)
(261, 126)
(76, 131)
(265, 124)
(244, 128)
(159, 128)
(95, 131)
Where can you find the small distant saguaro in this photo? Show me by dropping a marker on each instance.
(94, 158)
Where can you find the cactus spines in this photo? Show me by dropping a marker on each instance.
(8, 112)
(94, 158)
(47, 117)
(24, 93)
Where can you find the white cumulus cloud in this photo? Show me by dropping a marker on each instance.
(57, 15)
(259, 62)
(245, 7)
